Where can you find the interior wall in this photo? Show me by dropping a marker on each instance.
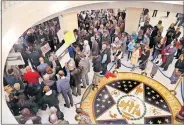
(132, 19)
(70, 21)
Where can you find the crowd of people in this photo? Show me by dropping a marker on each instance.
(101, 37)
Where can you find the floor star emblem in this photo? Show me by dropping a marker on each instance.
(167, 120)
(161, 100)
(98, 99)
(132, 102)
(150, 122)
(159, 122)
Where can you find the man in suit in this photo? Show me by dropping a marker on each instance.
(63, 87)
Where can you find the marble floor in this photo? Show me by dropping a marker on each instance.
(70, 113)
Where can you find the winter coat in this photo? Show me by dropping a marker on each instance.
(160, 27)
(180, 65)
(49, 98)
(97, 67)
(32, 106)
(135, 57)
(131, 46)
(171, 51)
(95, 48)
(76, 74)
(84, 63)
(86, 50)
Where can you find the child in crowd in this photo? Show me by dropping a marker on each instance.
(134, 36)
(130, 48)
(156, 63)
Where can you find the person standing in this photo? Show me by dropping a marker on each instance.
(168, 14)
(170, 50)
(156, 63)
(50, 98)
(105, 54)
(71, 51)
(10, 77)
(180, 19)
(159, 26)
(153, 35)
(154, 13)
(31, 77)
(179, 69)
(48, 82)
(144, 57)
(75, 80)
(135, 56)
(180, 47)
(95, 47)
(118, 56)
(106, 38)
(130, 49)
(86, 49)
(177, 33)
(34, 57)
(123, 41)
(42, 67)
(160, 45)
(63, 87)
(84, 63)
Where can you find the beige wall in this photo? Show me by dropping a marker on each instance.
(70, 21)
(132, 19)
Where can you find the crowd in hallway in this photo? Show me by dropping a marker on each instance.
(100, 38)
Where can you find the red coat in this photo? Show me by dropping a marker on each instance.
(181, 112)
(178, 44)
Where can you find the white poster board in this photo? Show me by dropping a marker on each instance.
(63, 55)
(60, 35)
(15, 59)
(45, 48)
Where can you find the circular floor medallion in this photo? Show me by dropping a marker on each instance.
(131, 98)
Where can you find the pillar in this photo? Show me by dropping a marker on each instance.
(132, 19)
(70, 21)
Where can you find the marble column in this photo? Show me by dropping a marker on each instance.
(132, 19)
(70, 21)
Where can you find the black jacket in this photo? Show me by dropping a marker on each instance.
(34, 57)
(32, 106)
(51, 100)
(75, 76)
(97, 64)
(180, 65)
